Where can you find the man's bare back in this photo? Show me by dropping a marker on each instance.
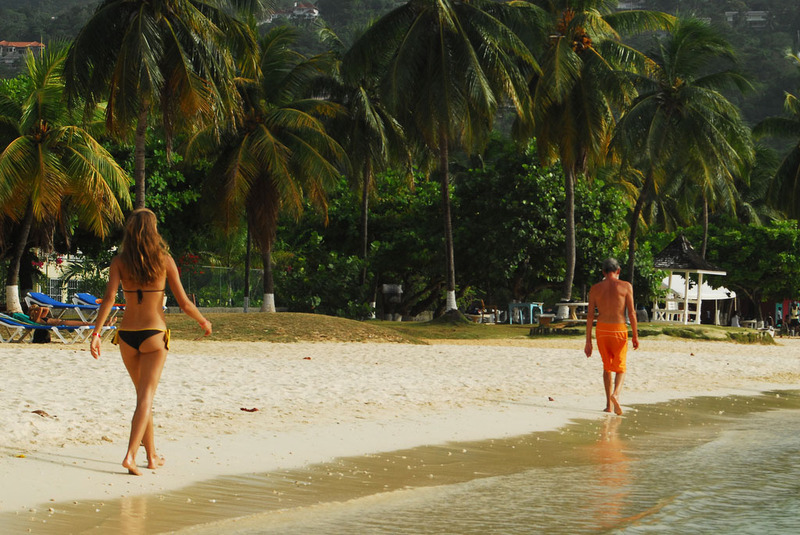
(611, 296)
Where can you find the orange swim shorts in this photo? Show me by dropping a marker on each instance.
(612, 342)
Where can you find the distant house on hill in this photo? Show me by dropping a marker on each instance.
(13, 51)
(630, 4)
(754, 19)
(299, 12)
(305, 10)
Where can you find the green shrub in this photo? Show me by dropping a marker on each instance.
(751, 338)
(684, 332)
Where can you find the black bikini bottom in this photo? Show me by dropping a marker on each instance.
(135, 338)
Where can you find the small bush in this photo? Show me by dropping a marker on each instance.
(683, 332)
(751, 338)
(648, 332)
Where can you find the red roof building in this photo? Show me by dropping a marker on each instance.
(11, 51)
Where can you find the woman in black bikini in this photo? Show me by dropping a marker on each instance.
(143, 268)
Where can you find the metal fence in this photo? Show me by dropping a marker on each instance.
(214, 286)
(208, 286)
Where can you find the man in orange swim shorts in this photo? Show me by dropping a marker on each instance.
(612, 298)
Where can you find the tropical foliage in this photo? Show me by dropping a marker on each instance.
(682, 125)
(51, 170)
(172, 57)
(762, 261)
(509, 239)
(785, 191)
(445, 69)
(580, 89)
(323, 160)
(369, 133)
(280, 154)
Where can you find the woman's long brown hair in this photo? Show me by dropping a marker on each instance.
(143, 252)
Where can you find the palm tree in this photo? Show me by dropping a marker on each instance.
(785, 191)
(753, 205)
(49, 168)
(682, 119)
(369, 133)
(173, 57)
(447, 66)
(581, 87)
(280, 155)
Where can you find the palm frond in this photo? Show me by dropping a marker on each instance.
(631, 22)
(780, 127)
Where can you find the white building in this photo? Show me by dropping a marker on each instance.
(299, 12)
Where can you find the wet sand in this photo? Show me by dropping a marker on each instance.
(302, 498)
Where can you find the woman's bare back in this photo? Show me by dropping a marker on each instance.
(144, 304)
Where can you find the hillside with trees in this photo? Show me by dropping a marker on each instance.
(43, 20)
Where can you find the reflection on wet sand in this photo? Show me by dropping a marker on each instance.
(613, 474)
(133, 515)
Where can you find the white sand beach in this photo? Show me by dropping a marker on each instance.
(320, 401)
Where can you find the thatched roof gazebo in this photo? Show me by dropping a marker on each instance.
(680, 257)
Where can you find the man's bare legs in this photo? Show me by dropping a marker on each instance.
(612, 396)
(145, 368)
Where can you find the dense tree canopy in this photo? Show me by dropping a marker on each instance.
(762, 262)
(172, 58)
(509, 238)
(680, 126)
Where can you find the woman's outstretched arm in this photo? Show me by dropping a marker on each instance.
(174, 280)
(105, 307)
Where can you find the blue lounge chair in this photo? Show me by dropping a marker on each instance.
(18, 330)
(87, 313)
(84, 298)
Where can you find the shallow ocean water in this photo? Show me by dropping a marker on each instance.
(732, 474)
(703, 465)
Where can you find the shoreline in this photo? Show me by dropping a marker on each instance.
(293, 496)
(318, 402)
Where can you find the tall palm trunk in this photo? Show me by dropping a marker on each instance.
(637, 212)
(247, 271)
(569, 216)
(12, 283)
(705, 227)
(139, 143)
(444, 177)
(365, 218)
(269, 283)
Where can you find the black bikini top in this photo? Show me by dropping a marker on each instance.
(139, 293)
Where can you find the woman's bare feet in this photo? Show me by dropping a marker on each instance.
(617, 407)
(155, 462)
(130, 464)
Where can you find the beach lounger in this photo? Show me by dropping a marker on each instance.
(18, 330)
(83, 298)
(87, 313)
